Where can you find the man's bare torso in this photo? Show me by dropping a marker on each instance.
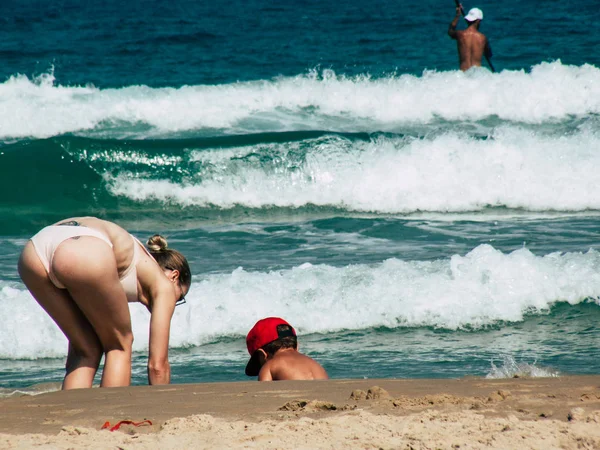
(471, 47)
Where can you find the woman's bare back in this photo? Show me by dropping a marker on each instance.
(119, 237)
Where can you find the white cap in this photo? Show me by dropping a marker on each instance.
(474, 14)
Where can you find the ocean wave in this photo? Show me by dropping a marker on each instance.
(552, 92)
(483, 288)
(512, 168)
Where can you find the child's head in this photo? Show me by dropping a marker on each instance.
(269, 335)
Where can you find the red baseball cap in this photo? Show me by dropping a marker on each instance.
(264, 332)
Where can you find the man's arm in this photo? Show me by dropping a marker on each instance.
(452, 28)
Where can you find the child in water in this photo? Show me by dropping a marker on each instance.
(273, 347)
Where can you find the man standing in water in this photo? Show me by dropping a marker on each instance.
(472, 45)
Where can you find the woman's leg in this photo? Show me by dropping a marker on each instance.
(86, 266)
(85, 349)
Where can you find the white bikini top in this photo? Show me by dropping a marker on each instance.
(128, 278)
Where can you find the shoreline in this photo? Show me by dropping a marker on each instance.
(557, 412)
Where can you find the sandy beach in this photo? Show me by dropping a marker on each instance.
(473, 413)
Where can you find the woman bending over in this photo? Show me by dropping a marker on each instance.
(83, 271)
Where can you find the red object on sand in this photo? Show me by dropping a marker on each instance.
(124, 422)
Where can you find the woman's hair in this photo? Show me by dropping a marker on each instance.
(285, 342)
(170, 259)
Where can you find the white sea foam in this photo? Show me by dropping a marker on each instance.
(510, 368)
(475, 290)
(452, 172)
(324, 101)
(36, 389)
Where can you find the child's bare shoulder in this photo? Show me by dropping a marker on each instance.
(293, 365)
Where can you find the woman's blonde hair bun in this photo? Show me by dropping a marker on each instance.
(157, 243)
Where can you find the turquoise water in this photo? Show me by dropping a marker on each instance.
(322, 162)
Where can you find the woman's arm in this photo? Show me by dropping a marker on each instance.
(163, 305)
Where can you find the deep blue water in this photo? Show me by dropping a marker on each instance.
(325, 162)
(157, 43)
